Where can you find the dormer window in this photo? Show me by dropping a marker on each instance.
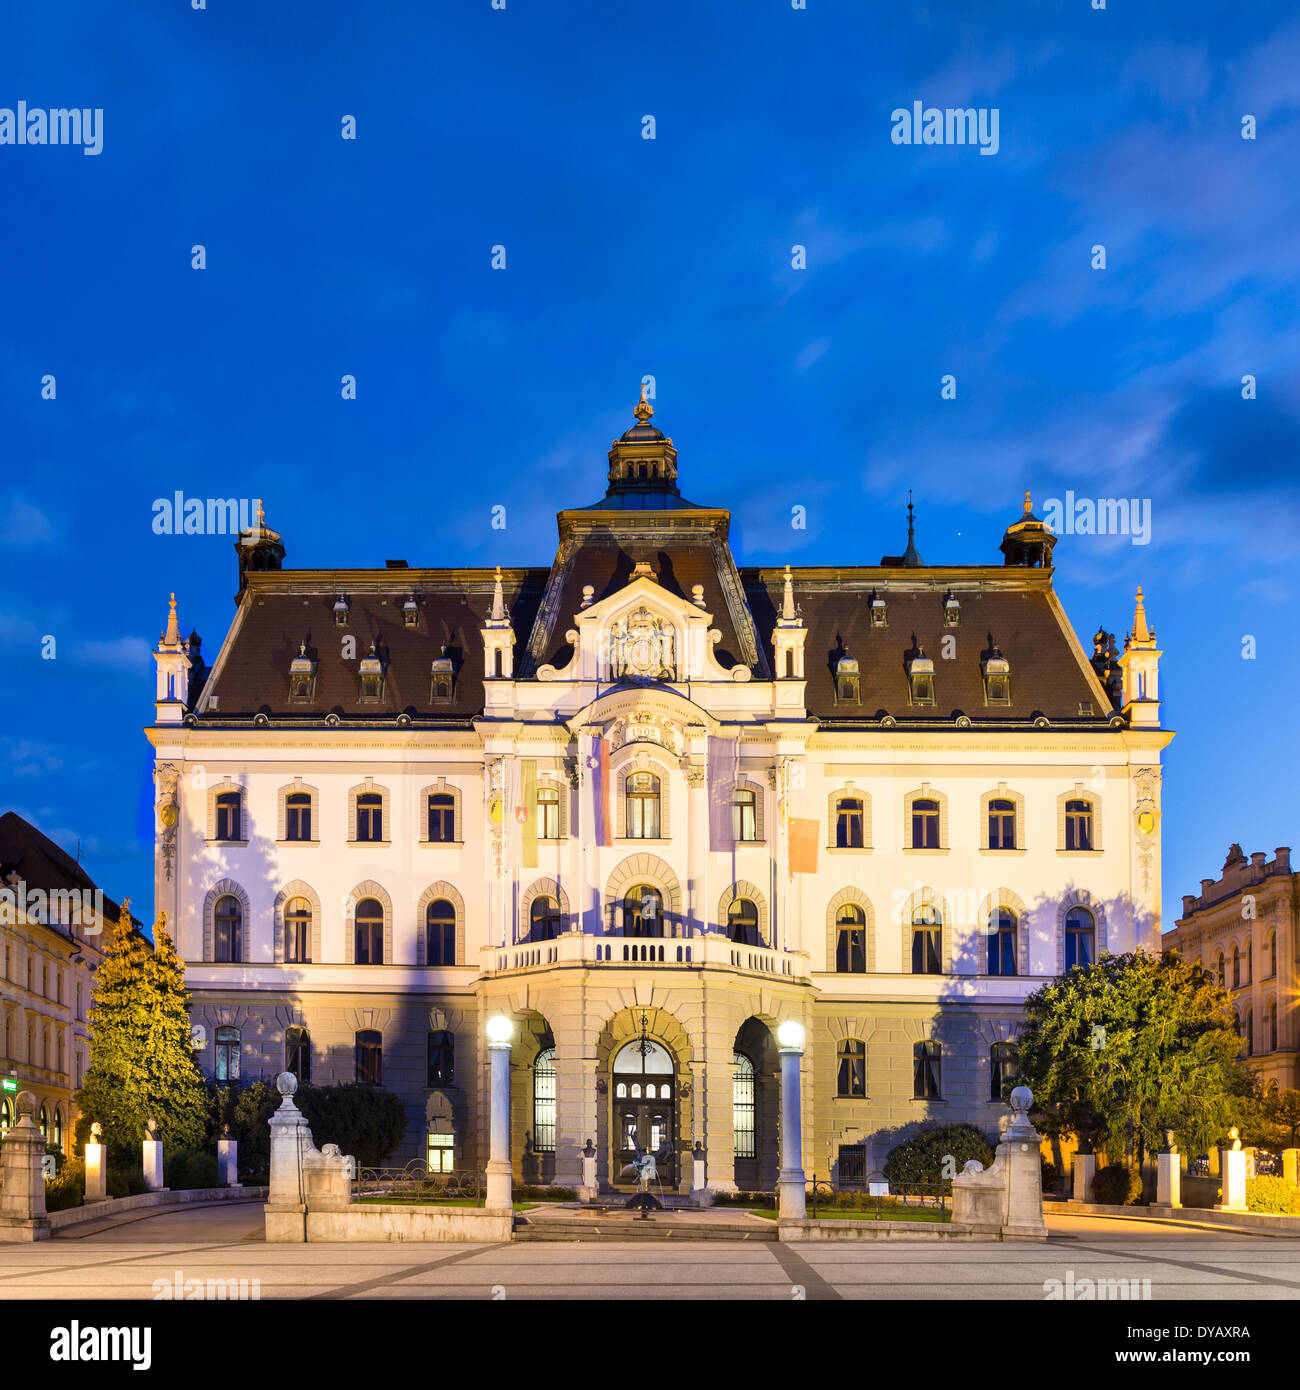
(372, 678)
(951, 612)
(302, 678)
(444, 678)
(920, 679)
(411, 612)
(996, 670)
(878, 615)
(341, 610)
(847, 684)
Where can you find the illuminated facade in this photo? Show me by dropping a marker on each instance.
(644, 796)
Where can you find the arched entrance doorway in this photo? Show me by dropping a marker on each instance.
(644, 1088)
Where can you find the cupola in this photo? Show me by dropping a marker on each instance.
(1028, 541)
(258, 548)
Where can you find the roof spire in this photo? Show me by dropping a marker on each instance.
(643, 409)
(1141, 632)
(172, 636)
(498, 599)
(911, 556)
(787, 599)
(261, 515)
(1029, 505)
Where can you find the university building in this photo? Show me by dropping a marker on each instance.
(650, 805)
(1242, 927)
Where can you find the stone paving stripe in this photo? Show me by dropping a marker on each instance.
(352, 1290)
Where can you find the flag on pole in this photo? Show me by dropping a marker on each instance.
(803, 845)
(598, 772)
(527, 813)
(724, 764)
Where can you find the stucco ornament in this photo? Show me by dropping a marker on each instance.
(642, 646)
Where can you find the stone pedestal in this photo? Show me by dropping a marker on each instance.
(22, 1177)
(1168, 1181)
(790, 1185)
(228, 1162)
(588, 1189)
(1007, 1199)
(1085, 1169)
(1291, 1166)
(96, 1173)
(700, 1194)
(153, 1165)
(1233, 1169)
(286, 1205)
(499, 1194)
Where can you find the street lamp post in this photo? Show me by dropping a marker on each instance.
(499, 1196)
(790, 1184)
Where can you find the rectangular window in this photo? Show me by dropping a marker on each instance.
(1002, 825)
(744, 816)
(925, 825)
(297, 817)
(370, 817)
(228, 816)
(848, 824)
(851, 951)
(442, 1152)
(926, 1071)
(442, 818)
(1078, 825)
(852, 1077)
(442, 1059)
(548, 813)
(927, 950)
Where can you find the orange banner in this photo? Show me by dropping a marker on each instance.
(803, 846)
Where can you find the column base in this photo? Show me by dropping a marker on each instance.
(792, 1198)
(500, 1195)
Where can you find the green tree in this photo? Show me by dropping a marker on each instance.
(141, 1062)
(1132, 1046)
(365, 1121)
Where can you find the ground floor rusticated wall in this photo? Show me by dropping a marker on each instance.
(577, 1025)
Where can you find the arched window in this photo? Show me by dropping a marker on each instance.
(1002, 824)
(1002, 941)
(852, 1076)
(548, 813)
(851, 940)
(1236, 968)
(442, 1058)
(228, 817)
(228, 924)
(1002, 1069)
(1272, 955)
(440, 933)
(1223, 976)
(369, 933)
(643, 912)
(543, 919)
(56, 1135)
(297, 931)
(6, 1113)
(642, 790)
(927, 941)
(744, 1130)
(1078, 825)
(297, 1054)
(544, 1101)
(297, 816)
(1272, 1026)
(744, 815)
(1249, 1034)
(849, 823)
(925, 823)
(742, 922)
(227, 1054)
(927, 1064)
(1080, 938)
(43, 1122)
(369, 1058)
(1247, 973)
(442, 818)
(370, 816)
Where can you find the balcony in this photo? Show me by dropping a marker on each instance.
(707, 952)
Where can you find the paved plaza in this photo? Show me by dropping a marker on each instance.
(226, 1243)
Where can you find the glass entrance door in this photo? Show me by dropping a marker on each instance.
(645, 1111)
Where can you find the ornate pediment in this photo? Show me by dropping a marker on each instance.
(641, 647)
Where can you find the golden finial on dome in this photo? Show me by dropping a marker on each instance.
(643, 410)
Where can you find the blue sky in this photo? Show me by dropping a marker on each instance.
(625, 256)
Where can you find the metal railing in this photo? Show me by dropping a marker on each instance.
(415, 1183)
(825, 1199)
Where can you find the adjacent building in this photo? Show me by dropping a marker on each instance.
(1242, 927)
(54, 927)
(650, 803)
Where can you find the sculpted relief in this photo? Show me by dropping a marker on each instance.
(642, 646)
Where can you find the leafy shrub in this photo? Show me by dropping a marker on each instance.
(1051, 1176)
(68, 1186)
(126, 1182)
(744, 1199)
(189, 1168)
(1116, 1186)
(523, 1192)
(1272, 1194)
(365, 1121)
(920, 1159)
(59, 1157)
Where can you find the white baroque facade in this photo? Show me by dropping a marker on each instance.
(646, 796)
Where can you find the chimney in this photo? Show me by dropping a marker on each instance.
(1283, 860)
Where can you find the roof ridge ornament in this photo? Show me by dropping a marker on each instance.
(172, 635)
(643, 410)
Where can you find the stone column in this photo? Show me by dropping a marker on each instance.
(22, 1177)
(1168, 1180)
(1085, 1169)
(698, 910)
(152, 1155)
(575, 1089)
(791, 1184)
(291, 1140)
(96, 1167)
(1019, 1149)
(228, 1161)
(499, 1193)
